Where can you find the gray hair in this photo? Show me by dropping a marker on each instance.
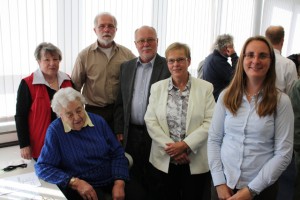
(145, 27)
(103, 14)
(63, 97)
(223, 41)
(47, 48)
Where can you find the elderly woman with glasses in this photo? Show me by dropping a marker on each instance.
(81, 154)
(250, 140)
(177, 118)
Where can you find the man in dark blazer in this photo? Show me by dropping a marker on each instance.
(136, 78)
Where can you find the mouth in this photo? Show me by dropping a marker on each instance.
(106, 36)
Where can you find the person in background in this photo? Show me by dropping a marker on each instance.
(286, 76)
(286, 73)
(81, 154)
(295, 99)
(136, 77)
(97, 68)
(250, 140)
(177, 118)
(200, 70)
(33, 110)
(296, 59)
(217, 69)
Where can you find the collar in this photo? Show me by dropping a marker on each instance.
(87, 122)
(95, 46)
(139, 62)
(277, 51)
(172, 86)
(38, 78)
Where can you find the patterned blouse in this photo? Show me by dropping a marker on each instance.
(177, 105)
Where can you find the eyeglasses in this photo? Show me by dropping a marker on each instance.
(148, 40)
(103, 26)
(78, 112)
(261, 56)
(178, 60)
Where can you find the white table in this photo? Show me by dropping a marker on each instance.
(11, 155)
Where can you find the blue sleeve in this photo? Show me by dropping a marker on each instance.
(48, 164)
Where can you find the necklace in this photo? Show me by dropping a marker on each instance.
(252, 95)
(52, 82)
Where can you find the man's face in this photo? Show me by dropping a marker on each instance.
(105, 30)
(146, 43)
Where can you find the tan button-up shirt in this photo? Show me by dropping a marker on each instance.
(99, 75)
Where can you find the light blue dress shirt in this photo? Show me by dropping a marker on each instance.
(247, 149)
(140, 91)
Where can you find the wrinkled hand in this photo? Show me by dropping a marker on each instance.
(224, 192)
(85, 190)
(118, 190)
(242, 194)
(182, 158)
(175, 149)
(26, 152)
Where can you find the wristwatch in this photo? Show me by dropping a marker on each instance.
(253, 193)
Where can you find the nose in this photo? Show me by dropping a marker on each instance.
(52, 62)
(256, 59)
(76, 116)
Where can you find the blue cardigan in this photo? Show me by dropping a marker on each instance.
(92, 154)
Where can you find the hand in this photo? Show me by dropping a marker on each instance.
(182, 158)
(224, 192)
(85, 190)
(175, 149)
(230, 50)
(120, 137)
(118, 190)
(242, 194)
(26, 152)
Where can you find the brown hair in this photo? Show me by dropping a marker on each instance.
(234, 92)
(275, 34)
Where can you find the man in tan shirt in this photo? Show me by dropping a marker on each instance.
(97, 67)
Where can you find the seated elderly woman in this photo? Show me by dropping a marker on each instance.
(81, 155)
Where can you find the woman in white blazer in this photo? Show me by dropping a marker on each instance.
(177, 118)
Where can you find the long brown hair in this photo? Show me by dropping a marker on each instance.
(234, 92)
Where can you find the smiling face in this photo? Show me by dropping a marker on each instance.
(146, 43)
(178, 63)
(49, 64)
(257, 60)
(74, 115)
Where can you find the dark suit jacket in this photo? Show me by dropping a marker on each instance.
(123, 103)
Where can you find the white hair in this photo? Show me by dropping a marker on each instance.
(63, 97)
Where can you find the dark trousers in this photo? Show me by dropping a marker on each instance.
(103, 193)
(179, 184)
(270, 193)
(287, 181)
(138, 146)
(107, 112)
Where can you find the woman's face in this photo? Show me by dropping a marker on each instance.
(49, 64)
(178, 63)
(257, 60)
(74, 115)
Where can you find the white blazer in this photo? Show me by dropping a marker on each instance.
(199, 114)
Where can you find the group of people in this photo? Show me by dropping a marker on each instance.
(189, 139)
